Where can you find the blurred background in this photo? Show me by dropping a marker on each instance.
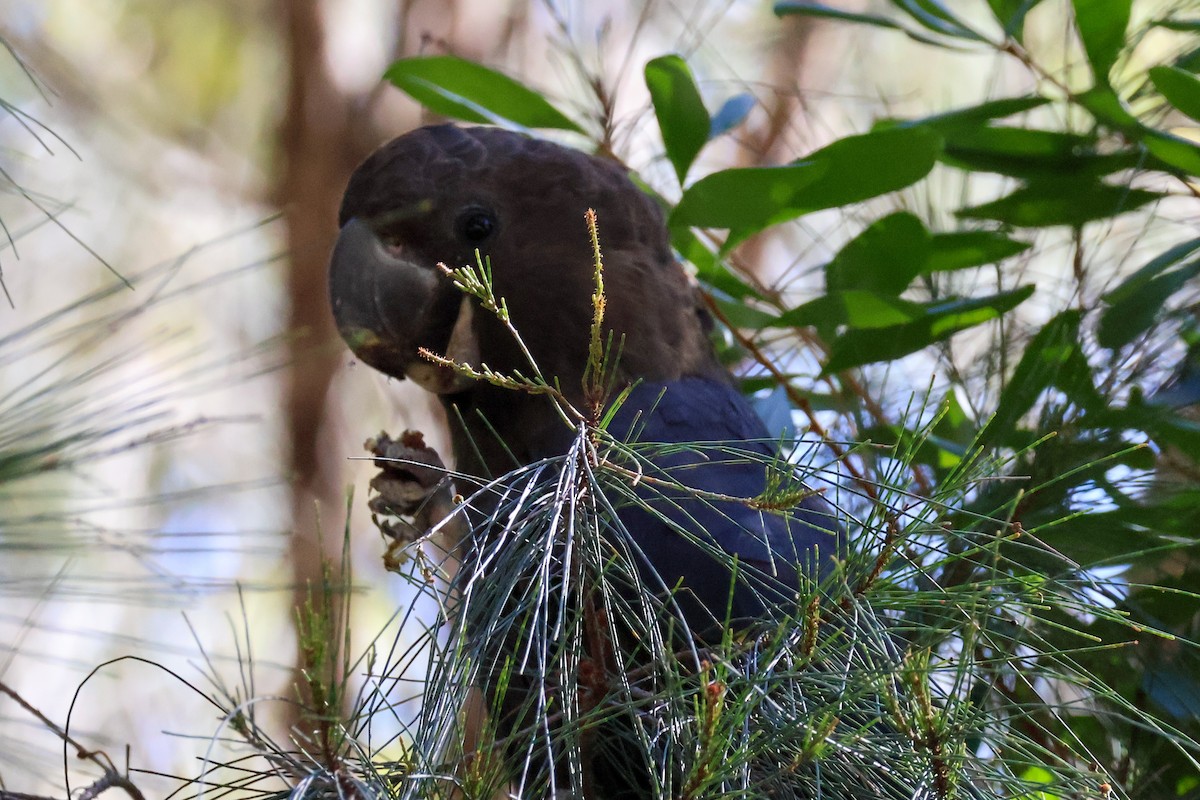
(184, 419)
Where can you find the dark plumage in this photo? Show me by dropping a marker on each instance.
(437, 194)
(421, 190)
(731, 462)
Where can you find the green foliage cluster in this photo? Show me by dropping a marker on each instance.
(1019, 615)
(1045, 492)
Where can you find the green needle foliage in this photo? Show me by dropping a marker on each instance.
(934, 662)
(1018, 611)
(1017, 615)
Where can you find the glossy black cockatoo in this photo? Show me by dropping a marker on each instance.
(443, 194)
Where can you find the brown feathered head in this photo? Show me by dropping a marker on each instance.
(438, 195)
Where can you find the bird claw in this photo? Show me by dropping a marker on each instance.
(412, 492)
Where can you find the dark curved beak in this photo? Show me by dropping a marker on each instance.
(380, 300)
(387, 306)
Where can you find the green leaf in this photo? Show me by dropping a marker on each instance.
(1134, 305)
(806, 9)
(939, 322)
(1178, 431)
(1107, 108)
(454, 87)
(870, 164)
(855, 168)
(1098, 538)
(751, 197)
(1011, 15)
(984, 112)
(741, 315)
(1155, 266)
(1051, 357)
(850, 170)
(1061, 202)
(1190, 60)
(884, 258)
(710, 269)
(682, 117)
(1028, 143)
(731, 114)
(801, 8)
(1037, 775)
(964, 249)
(1181, 88)
(935, 16)
(857, 309)
(1177, 153)
(1182, 25)
(1101, 25)
(1030, 153)
(1165, 601)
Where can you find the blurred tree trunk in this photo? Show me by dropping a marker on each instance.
(318, 149)
(325, 132)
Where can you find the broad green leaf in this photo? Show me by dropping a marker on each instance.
(1030, 153)
(1101, 25)
(1011, 15)
(964, 249)
(1178, 431)
(870, 164)
(1135, 311)
(1051, 357)
(1155, 266)
(1091, 164)
(1175, 24)
(884, 258)
(710, 269)
(856, 309)
(855, 168)
(741, 315)
(1020, 142)
(1037, 775)
(951, 316)
(939, 322)
(1182, 89)
(1017, 142)
(731, 114)
(802, 8)
(1177, 153)
(972, 116)
(1164, 601)
(1107, 108)
(806, 9)
(751, 197)
(935, 16)
(454, 87)
(682, 117)
(1061, 202)
(1100, 538)
(1190, 61)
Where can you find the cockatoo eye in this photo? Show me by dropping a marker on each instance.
(475, 224)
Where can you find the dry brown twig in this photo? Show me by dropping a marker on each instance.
(112, 777)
